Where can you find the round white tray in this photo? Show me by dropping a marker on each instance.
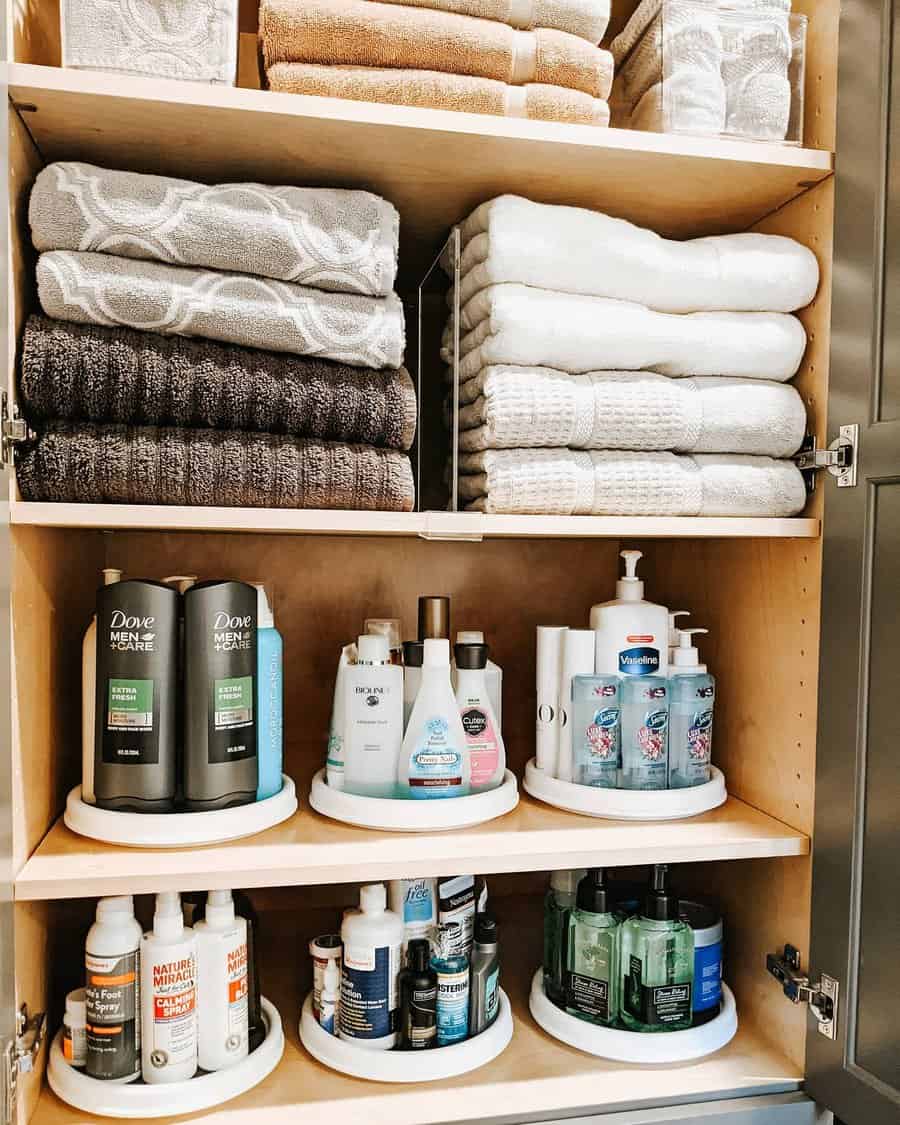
(412, 815)
(626, 804)
(205, 1091)
(406, 1066)
(633, 1046)
(179, 830)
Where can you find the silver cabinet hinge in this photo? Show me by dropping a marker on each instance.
(822, 997)
(840, 458)
(13, 430)
(18, 1057)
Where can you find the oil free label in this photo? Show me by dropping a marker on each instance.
(130, 705)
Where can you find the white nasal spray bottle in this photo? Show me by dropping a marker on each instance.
(632, 634)
(222, 993)
(169, 995)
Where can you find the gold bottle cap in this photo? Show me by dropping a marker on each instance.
(434, 618)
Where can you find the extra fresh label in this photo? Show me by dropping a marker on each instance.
(233, 702)
(129, 705)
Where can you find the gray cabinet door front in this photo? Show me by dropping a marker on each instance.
(856, 871)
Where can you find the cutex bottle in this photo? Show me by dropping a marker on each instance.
(220, 700)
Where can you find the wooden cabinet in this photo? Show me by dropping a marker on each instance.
(756, 584)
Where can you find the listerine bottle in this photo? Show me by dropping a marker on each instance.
(592, 979)
(657, 962)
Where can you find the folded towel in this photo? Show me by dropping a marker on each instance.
(578, 251)
(367, 33)
(530, 407)
(756, 56)
(690, 102)
(541, 328)
(196, 40)
(235, 308)
(326, 238)
(569, 482)
(83, 463)
(587, 19)
(433, 90)
(87, 373)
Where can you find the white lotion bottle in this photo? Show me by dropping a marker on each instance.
(493, 673)
(334, 755)
(373, 719)
(169, 995)
(546, 734)
(632, 635)
(434, 760)
(577, 660)
(89, 696)
(112, 973)
(487, 754)
(368, 1011)
(222, 986)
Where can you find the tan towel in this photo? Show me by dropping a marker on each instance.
(366, 33)
(433, 90)
(588, 19)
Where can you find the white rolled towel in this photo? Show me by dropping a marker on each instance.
(510, 239)
(540, 328)
(533, 407)
(690, 102)
(601, 483)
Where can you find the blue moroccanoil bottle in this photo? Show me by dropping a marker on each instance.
(270, 690)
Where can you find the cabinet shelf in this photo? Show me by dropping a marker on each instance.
(425, 525)
(310, 849)
(535, 1076)
(434, 165)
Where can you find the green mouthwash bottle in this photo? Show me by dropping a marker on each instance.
(657, 963)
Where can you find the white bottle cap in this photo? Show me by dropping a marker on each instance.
(437, 653)
(168, 921)
(470, 637)
(686, 658)
(181, 582)
(111, 576)
(384, 627)
(264, 616)
(219, 908)
(373, 648)
(566, 882)
(76, 1008)
(372, 898)
(116, 904)
(630, 588)
(673, 625)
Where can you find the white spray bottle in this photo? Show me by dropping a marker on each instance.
(224, 1020)
(632, 634)
(168, 995)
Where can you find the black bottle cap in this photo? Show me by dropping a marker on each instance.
(413, 654)
(592, 892)
(419, 954)
(485, 930)
(660, 904)
(471, 657)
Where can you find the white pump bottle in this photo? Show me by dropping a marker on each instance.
(632, 634)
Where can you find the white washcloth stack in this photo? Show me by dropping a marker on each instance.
(605, 370)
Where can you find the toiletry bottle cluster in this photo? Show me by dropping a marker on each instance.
(161, 1005)
(421, 973)
(625, 704)
(181, 696)
(619, 956)
(409, 722)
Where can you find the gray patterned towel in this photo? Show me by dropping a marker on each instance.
(326, 238)
(234, 308)
(84, 463)
(82, 372)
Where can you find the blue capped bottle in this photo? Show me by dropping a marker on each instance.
(645, 732)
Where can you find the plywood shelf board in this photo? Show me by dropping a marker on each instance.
(434, 165)
(310, 850)
(536, 1075)
(426, 525)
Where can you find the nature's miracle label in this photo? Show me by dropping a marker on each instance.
(174, 1004)
(232, 711)
(368, 1007)
(656, 1004)
(238, 997)
(436, 763)
(113, 1015)
(481, 739)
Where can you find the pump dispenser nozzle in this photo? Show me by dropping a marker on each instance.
(673, 624)
(685, 657)
(661, 904)
(111, 576)
(629, 587)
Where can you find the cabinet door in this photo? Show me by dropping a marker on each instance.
(856, 890)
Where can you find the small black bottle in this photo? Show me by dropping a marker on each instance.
(418, 999)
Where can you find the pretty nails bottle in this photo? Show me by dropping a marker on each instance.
(434, 761)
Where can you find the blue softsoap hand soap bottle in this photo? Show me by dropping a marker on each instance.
(692, 696)
(270, 688)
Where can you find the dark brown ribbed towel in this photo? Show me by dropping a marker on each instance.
(87, 372)
(85, 463)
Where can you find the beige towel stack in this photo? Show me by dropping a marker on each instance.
(476, 56)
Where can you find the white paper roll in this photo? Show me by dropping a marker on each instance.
(578, 647)
(549, 662)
